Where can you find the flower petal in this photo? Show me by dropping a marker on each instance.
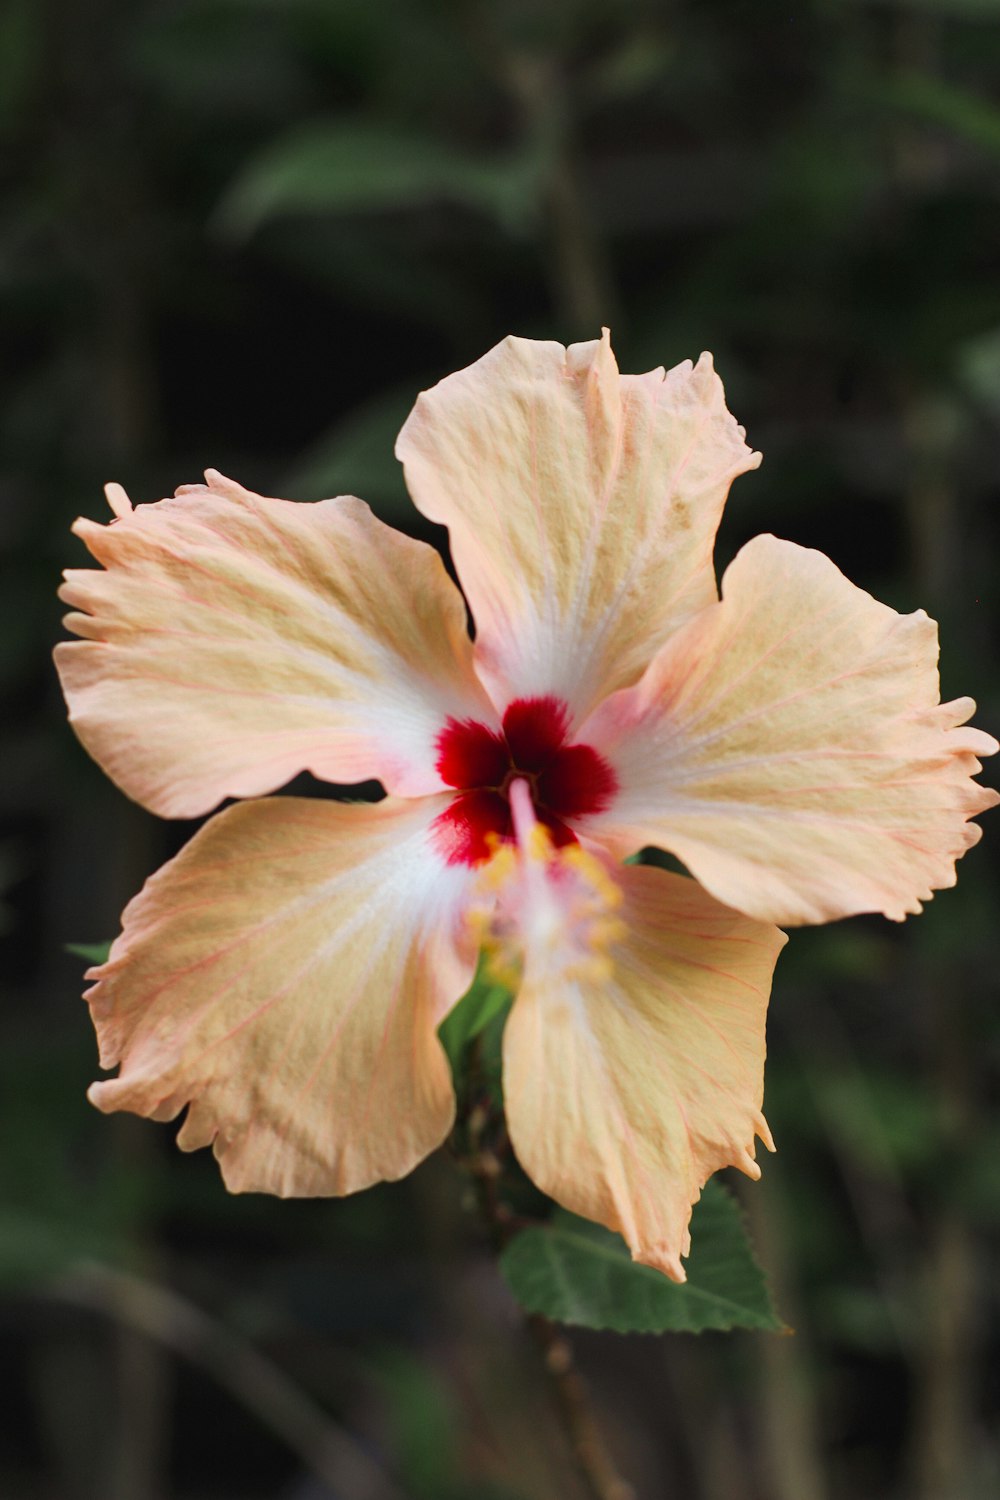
(284, 977)
(582, 507)
(624, 1094)
(788, 745)
(234, 641)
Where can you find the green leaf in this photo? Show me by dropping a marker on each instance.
(659, 859)
(349, 166)
(577, 1272)
(482, 1003)
(958, 110)
(94, 953)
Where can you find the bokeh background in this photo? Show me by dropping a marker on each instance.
(244, 233)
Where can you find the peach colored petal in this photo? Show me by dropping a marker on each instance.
(625, 1093)
(231, 641)
(284, 977)
(788, 745)
(582, 507)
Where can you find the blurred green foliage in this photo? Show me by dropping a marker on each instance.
(245, 233)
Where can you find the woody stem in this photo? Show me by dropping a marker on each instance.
(576, 1410)
(572, 1395)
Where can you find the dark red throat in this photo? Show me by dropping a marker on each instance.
(567, 781)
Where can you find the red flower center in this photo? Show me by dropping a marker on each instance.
(566, 781)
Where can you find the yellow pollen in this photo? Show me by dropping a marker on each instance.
(551, 910)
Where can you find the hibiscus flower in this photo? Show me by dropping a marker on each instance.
(284, 977)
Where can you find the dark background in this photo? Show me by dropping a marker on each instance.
(244, 233)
